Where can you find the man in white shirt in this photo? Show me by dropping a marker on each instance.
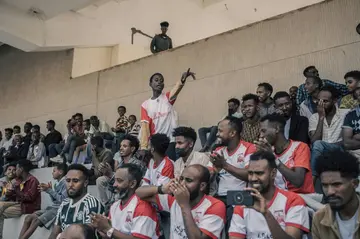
(7, 141)
(158, 114)
(129, 215)
(193, 214)
(185, 138)
(276, 213)
(325, 126)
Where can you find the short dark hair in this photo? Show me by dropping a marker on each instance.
(334, 93)
(206, 173)
(9, 130)
(160, 143)
(275, 118)
(62, 167)
(98, 141)
(10, 165)
(338, 161)
(134, 141)
(78, 114)
(250, 97)
(307, 69)
(69, 121)
(235, 123)
(316, 80)
(132, 116)
(353, 74)
(94, 117)
(52, 122)
(234, 101)
(123, 107)
(36, 126)
(267, 87)
(17, 127)
(28, 124)
(87, 121)
(156, 74)
(80, 167)
(25, 164)
(268, 156)
(134, 171)
(186, 132)
(281, 94)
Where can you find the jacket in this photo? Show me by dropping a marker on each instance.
(324, 224)
(299, 127)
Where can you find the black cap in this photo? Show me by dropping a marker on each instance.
(164, 24)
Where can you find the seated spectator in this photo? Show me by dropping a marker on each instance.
(78, 231)
(185, 138)
(193, 214)
(55, 149)
(23, 195)
(53, 137)
(121, 126)
(351, 129)
(325, 125)
(276, 213)
(6, 181)
(266, 103)
(79, 205)
(45, 218)
(309, 106)
(37, 152)
(292, 157)
(352, 80)
(144, 221)
(7, 141)
(36, 128)
(311, 71)
(134, 126)
(297, 126)
(293, 92)
(251, 123)
(207, 142)
(98, 127)
(17, 151)
(27, 133)
(126, 155)
(339, 172)
(99, 154)
(160, 169)
(16, 130)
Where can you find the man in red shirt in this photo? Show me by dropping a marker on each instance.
(23, 194)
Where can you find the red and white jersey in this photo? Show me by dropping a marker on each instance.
(209, 216)
(161, 174)
(240, 159)
(137, 218)
(296, 155)
(160, 115)
(288, 208)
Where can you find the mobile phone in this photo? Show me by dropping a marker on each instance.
(243, 198)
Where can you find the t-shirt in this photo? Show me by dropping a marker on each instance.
(161, 174)
(352, 120)
(137, 218)
(79, 212)
(347, 227)
(296, 155)
(209, 216)
(288, 208)
(239, 158)
(160, 115)
(194, 158)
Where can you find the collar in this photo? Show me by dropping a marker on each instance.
(357, 110)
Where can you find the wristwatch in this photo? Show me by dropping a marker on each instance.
(110, 232)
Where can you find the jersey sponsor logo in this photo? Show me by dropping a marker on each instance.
(159, 115)
(128, 217)
(180, 231)
(279, 216)
(240, 159)
(197, 217)
(80, 216)
(264, 235)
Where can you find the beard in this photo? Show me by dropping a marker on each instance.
(74, 194)
(123, 193)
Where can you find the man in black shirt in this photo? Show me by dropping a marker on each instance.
(161, 42)
(53, 137)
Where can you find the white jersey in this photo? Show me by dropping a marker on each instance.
(160, 115)
(288, 208)
(161, 174)
(240, 158)
(137, 218)
(209, 216)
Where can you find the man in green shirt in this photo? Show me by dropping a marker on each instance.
(161, 42)
(77, 208)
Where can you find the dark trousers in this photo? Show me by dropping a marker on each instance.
(55, 149)
(207, 141)
(71, 144)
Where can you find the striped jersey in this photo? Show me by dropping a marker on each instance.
(79, 212)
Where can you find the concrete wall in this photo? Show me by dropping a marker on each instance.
(37, 86)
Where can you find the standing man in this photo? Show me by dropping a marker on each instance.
(340, 218)
(53, 137)
(130, 217)
(266, 105)
(161, 42)
(308, 107)
(77, 208)
(193, 214)
(158, 114)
